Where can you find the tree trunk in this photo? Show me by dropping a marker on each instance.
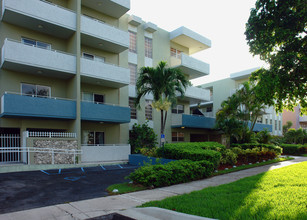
(162, 127)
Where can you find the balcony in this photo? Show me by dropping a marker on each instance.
(260, 127)
(40, 16)
(97, 72)
(20, 57)
(95, 33)
(303, 118)
(196, 95)
(16, 105)
(190, 66)
(190, 39)
(104, 113)
(192, 121)
(113, 8)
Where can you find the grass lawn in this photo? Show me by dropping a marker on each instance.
(276, 194)
(124, 188)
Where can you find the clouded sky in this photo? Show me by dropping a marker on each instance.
(222, 21)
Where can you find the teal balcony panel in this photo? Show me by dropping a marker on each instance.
(192, 121)
(14, 105)
(104, 113)
(260, 127)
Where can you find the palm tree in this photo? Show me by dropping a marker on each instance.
(164, 83)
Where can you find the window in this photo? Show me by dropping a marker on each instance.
(271, 122)
(178, 109)
(148, 47)
(279, 125)
(177, 136)
(266, 121)
(148, 110)
(35, 90)
(132, 42)
(92, 97)
(92, 57)
(259, 120)
(209, 109)
(132, 108)
(175, 53)
(133, 73)
(275, 124)
(93, 138)
(36, 43)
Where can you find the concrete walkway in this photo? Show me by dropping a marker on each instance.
(126, 203)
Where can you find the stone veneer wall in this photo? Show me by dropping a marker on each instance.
(46, 158)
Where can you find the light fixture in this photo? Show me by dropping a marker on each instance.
(40, 26)
(101, 122)
(100, 44)
(182, 127)
(39, 72)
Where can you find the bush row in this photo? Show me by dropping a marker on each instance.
(254, 155)
(172, 173)
(193, 151)
(277, 149)
(294, 149)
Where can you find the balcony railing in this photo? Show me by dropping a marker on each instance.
(33, 59)
(109, 113)
(190, 66)
(23, 105)
(40, 16)
(100, 35)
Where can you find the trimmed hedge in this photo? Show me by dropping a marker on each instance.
(192, 151)
(271, 147)
(172, 173)
(294, 149)
(254, 155)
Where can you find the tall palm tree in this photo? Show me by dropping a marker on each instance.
(164, 83)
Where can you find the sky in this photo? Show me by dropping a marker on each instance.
(222, 21)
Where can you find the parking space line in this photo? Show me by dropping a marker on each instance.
(120, 166)
(45, 172)
(82, 169)
(102, 167)
(59, 171)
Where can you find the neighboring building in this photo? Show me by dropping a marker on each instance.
(71, 66)
(220, 90)
(297, 120)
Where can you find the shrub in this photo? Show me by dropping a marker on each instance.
(229, 157)
(172, 173)
(294, 149)
(276, 149)
(142, 136)
(150, 152)
(255, 154)
(192, 151)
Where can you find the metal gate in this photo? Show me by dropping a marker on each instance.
(10, 148)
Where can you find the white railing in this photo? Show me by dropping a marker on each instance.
(10, 142)
(29, 150)
(104, 103)
(40, 47)
(38, 96)
(50, 134)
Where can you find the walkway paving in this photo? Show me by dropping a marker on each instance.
(126, 203)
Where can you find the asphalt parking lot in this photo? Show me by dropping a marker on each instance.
(27, 190)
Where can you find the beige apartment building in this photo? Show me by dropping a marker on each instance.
(220, 90)
(70, 66)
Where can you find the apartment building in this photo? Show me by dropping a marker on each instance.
(71, 66)
(220, 90)
(298, 121)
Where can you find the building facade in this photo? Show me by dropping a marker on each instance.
(72, 65)
(220, 90)
(298, 121)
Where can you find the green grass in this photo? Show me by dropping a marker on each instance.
(276, 194)
(124, 188)
(220, 172)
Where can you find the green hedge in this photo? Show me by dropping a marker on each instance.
(254, 155)
(294, 149)
(271, 147)
(175, 172)
(192, 151)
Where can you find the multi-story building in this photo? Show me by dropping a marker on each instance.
(298, 121)
(71, 66)
(220, 90)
